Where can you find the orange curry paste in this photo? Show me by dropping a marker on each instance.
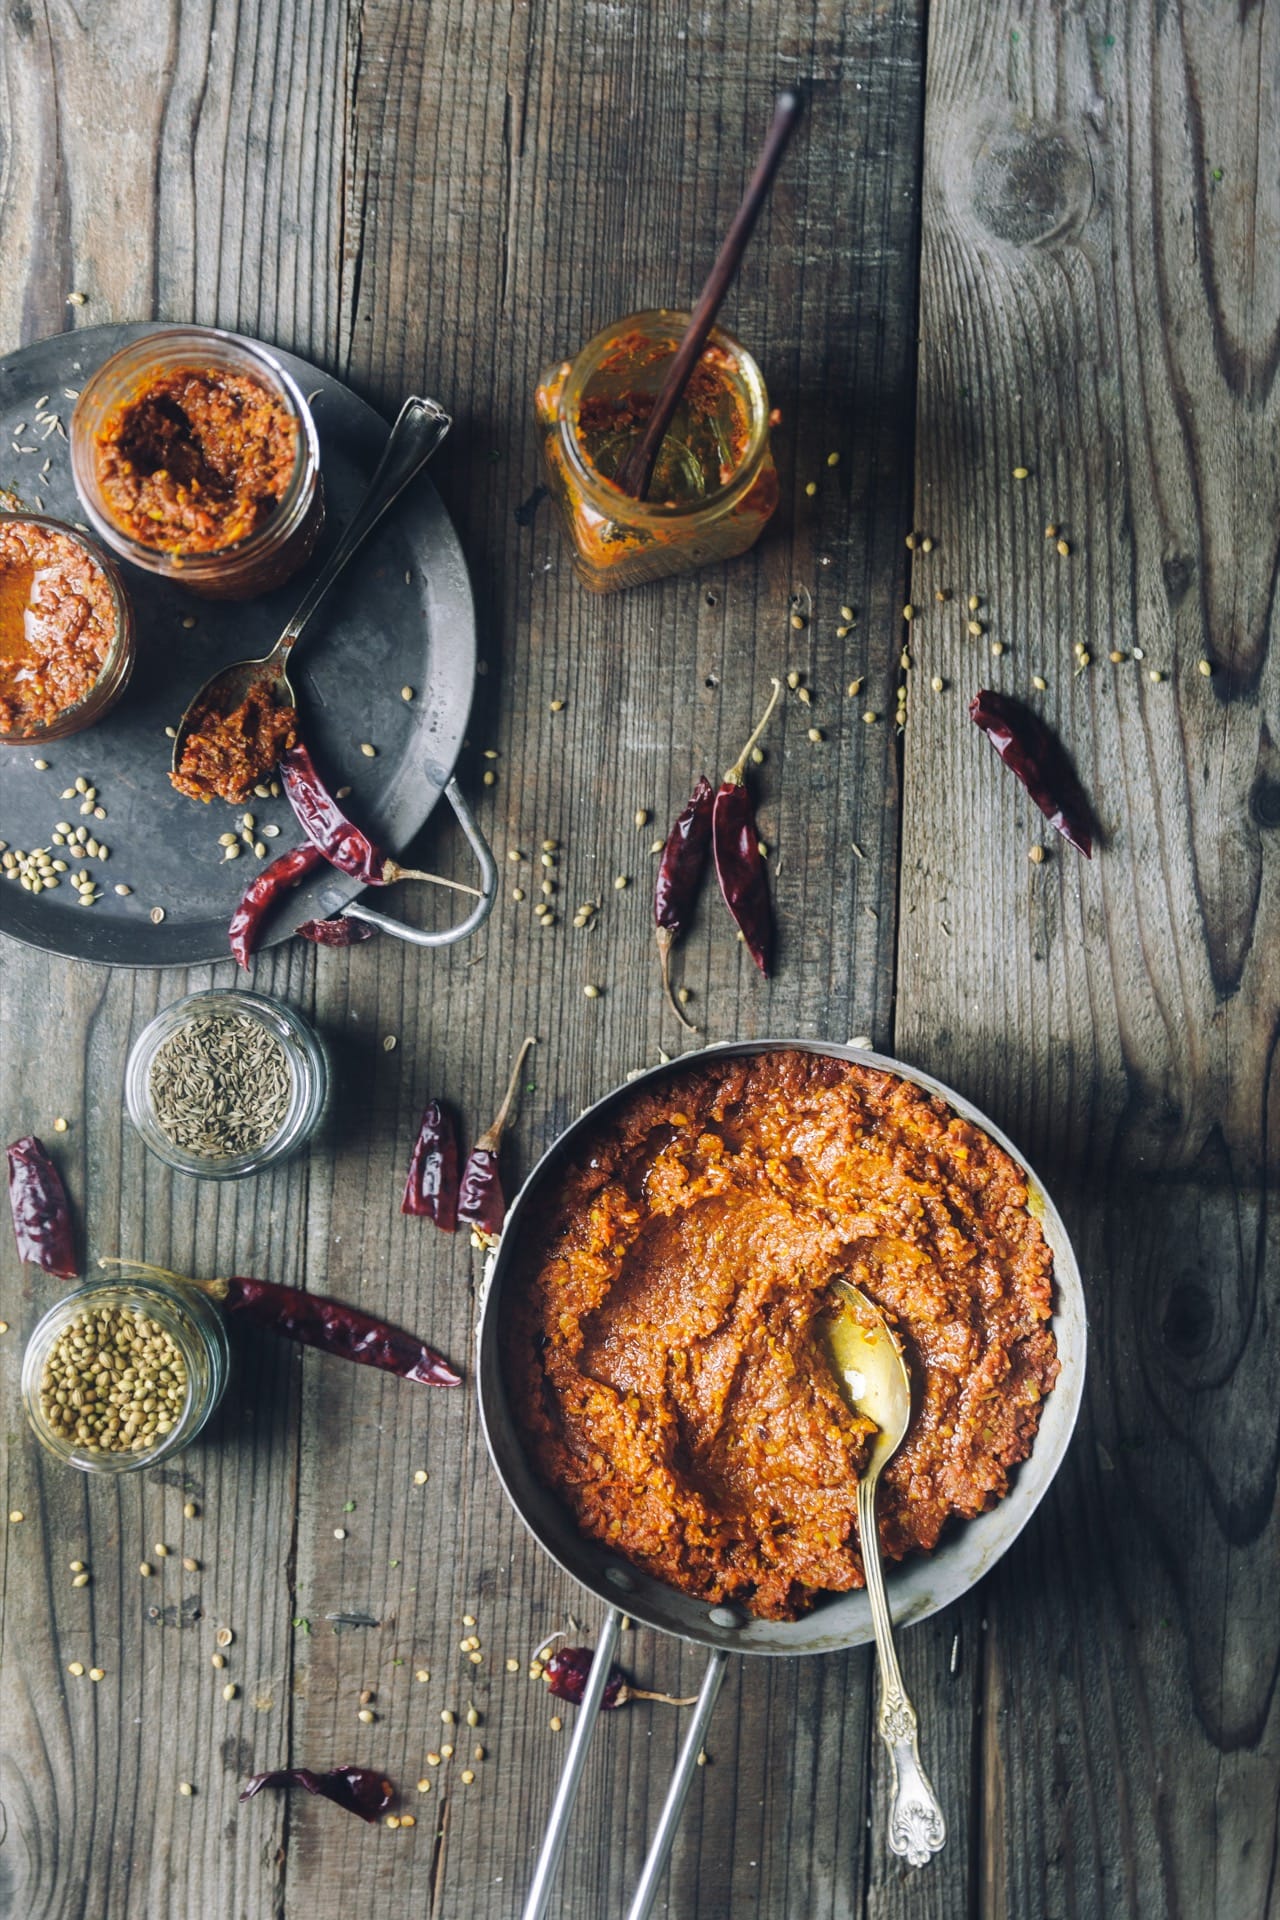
(664, 1360)
(229, 752)
(57, 624)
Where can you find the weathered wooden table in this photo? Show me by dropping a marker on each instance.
(1034, 236)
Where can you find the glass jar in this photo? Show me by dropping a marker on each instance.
(714, 485)
(303, 1109)
(265, 558)
(192, 1322)
(113, 674)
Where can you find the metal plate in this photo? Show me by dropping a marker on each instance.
(917, 1586)
(402, 615)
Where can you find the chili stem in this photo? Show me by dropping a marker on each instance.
(670, 1699)
(144, 1270)
(667, 940)
(490, 1141)
(393, 871)
(736, 773)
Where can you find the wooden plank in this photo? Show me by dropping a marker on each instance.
(516, 181)
(1099, 305)
(92, 1821)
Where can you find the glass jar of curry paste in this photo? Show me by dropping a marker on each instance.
(714, 485)
(67, 639)
(195, 456)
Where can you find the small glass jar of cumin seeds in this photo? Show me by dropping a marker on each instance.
(226, 1083)
(121, 1374)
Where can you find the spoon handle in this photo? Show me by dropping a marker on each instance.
(917, 1829)
(418, 431)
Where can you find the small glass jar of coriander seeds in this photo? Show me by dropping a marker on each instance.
(123, 1373)
(226, 1083)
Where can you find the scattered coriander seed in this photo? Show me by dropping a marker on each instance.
(4, 1326)
(343, 793)
(422, 1675)
(517, 893)
(433, 1759)
(1020, 473)
(420, 1477)
(191, 1565)
(908, 612)
(424, 1785)
(339, 1533)
(1139, 654)
(406, 693)
(408, 1820)
(757, 757)
(475, 1658)
(1155, 676)
(366, 1716)
(79, 1579)
(811, 487)
(974, 627)
(16, 1516)
(393, 1821)
(41, 766)
(642, 816)
(656, 846)
(592, 992)
(468, 1777)
(904, 658)
(76, 1667)
(974, 603)
(1064, 548)
(704, 1757)
(477, 1753)
(190, 1510)
(684, 996)
(369, 751)
(555, 1723)
(926, 545)
(473, 1718)
(798, 622)
(853, 689)
(60, 1125)
(621, 880)
(816, 735)
(144, 1568)
(1205, 667)
(171, 733)
(793, 680)
(489, 777)
(842, 633)
(81, 785)
(230, 1691)
(513, 1666)
(941, 595)
(122, 890)
(833, 459)
(224, 1636)
(937, 683)
(97, 1673)
(446, 1752)
(1039, 682)
(1035, 855)
(388, 1046)
(911, 543)
(846, 613)
(804, 696)
(557, 706)
(260, 849)
(160, 1550)
(870, 717)
(186, 1789)
(547, 887)
(1116, 657)
(1051, 532)
(447, 1716)
(75, 1566)
(997, 648)
(535, 1666)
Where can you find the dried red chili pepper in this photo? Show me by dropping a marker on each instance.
(341, 931)
(482, 1205)
(340, 841)
(431, 1190)
(41, 1216)
(1038, 759)
(735, 840)
(354, 1789)
(315, 1321)
(262, 893)
(565, 1672)
(675, 891)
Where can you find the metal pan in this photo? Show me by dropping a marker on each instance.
(917, 1588)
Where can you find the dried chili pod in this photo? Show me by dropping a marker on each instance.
(675, 891)
(482, 1205)
(316, 1321)
(1038, 759)
(431, 1190)
(355, 1789)
(41, 1216)
(735, 840)
(340, 931)
(565, 1672)
(262, 893)
(342, 843)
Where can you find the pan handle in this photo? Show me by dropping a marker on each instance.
(678, 1792)
(553, 1839)
(479, 913)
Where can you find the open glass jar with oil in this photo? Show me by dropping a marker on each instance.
(714, 486)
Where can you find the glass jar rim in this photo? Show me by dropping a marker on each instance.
(309, 1089)
(603, 492)
(122, 639)
(293, 502)
(164, 1302)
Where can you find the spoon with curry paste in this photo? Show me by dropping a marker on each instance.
(871, 1372)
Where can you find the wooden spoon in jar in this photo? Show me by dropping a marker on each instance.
(636, 471)
(873, 1376)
